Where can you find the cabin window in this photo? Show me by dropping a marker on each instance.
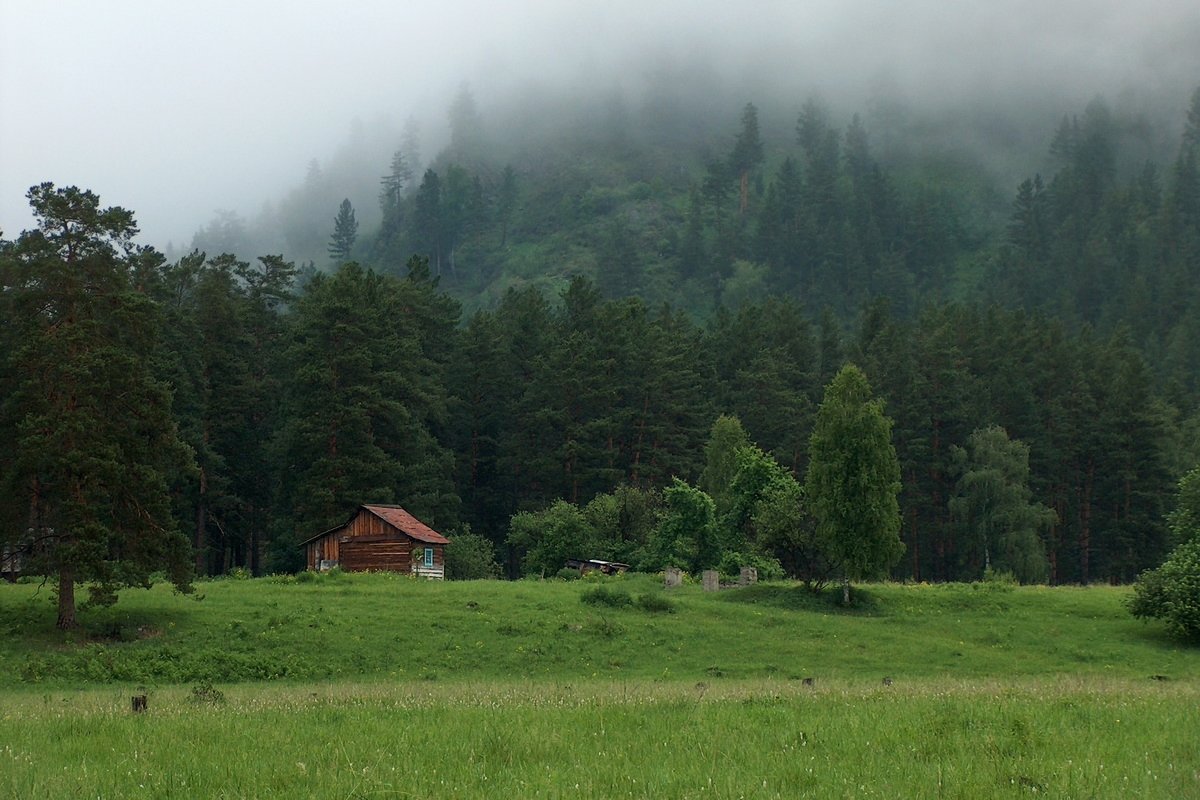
(429, 556)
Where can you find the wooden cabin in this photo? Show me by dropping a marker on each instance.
(379, 538)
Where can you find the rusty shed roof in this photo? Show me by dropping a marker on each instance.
(397, 517)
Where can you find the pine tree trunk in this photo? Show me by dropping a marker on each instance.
(255, 546)
(914, 542)
(66, 600)
(1085, 525)
(201, 537)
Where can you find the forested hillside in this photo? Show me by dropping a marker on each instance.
(628, 279)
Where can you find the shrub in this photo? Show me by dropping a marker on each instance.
(567, 574)
(1172, 592)
(470, 557)
(206, 693)
(603, 596)
(655, 604)
(1001, 579)
(731, 564)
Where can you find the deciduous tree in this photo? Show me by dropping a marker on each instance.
(853, 480)
(993, 503)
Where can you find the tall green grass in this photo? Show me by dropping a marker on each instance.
(1098, 738)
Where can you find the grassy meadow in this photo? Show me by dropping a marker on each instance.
(379, 686)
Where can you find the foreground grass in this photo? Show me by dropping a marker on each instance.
(760, 739)
(386, 627)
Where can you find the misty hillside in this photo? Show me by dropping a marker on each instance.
(704, 201)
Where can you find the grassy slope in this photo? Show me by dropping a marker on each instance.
(404, 689)
(356, 626)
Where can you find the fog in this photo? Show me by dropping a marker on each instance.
(178, 110)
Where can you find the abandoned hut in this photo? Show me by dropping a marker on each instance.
(596, 565)
(380, 538)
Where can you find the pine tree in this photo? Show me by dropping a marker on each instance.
(823, 236)
(391, 190)
(747, 154)
(345, 230)
(410, 144)
(461, 206)
(427, 220)
(618, 267)
(95, 439)
(466, 126)
(506, 201)
(478, 381)
(692, 255)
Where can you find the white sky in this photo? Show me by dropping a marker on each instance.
(177, 108)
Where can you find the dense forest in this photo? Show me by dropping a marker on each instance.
(633, 293)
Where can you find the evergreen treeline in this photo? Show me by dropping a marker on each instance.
(1064, 410)
(366, 389)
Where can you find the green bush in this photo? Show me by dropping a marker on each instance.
(603, 596)
(655, 604)
(731, 563)
(1000, 579)
(1172, 592)
(567, 574)
(471, 557)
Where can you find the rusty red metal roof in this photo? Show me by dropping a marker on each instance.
(398, 518)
